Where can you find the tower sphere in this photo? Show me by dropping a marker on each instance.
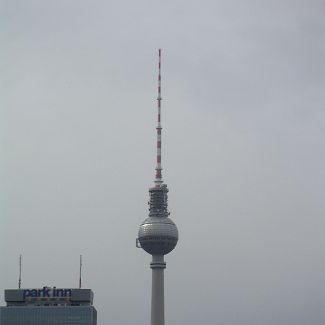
(158, 235)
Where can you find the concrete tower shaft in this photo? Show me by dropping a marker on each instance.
(157, 290)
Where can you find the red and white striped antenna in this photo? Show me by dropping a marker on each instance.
(158, 179)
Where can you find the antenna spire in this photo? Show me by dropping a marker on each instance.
(19, 280)
(158, 179)
(80, 265)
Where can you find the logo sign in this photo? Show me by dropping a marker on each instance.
(47, 292)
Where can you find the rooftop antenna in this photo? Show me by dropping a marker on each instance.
(158, 179)
(19, 281)
(80, 265)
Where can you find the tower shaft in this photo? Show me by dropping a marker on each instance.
(157, 291)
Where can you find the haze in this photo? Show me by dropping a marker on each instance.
(243, 154)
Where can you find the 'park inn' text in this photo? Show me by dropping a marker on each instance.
(47, 292)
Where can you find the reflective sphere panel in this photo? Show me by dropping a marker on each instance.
(158, 235)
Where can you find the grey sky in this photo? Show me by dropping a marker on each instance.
(243, 154)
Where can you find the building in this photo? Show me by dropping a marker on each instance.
(158, 234)
(48, 306)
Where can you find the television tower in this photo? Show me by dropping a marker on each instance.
(158, 234)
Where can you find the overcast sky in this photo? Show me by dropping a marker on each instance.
(243, 154)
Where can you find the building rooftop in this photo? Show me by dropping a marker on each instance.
(48, 296)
